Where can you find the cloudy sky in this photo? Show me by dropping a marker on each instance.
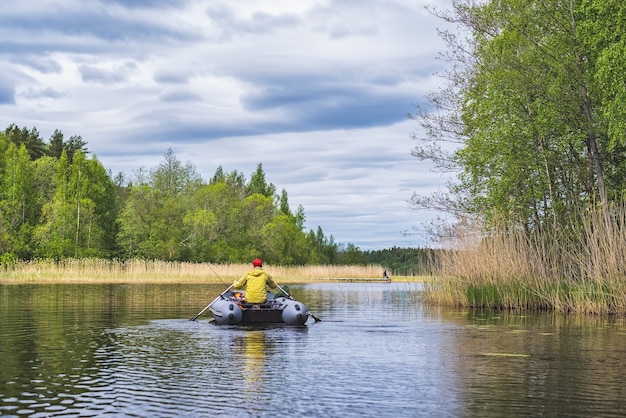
(315, 90)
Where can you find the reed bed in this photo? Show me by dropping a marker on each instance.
(581, 269)
(140, 271)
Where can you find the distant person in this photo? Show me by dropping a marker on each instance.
(255, 282)
(385, 275)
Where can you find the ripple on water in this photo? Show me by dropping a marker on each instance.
(376, 352)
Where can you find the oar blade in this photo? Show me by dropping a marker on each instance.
(315, 318)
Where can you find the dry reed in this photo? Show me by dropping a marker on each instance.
(579, 269)
(140, 271)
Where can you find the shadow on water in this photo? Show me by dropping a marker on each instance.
(89, 350)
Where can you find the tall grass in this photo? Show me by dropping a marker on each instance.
(139, 271)
(578, 269)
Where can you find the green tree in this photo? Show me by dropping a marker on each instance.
(16, 202)
(79, 219)
(101, 231)
(137, 222)
(218, 176)
(173, 178)
(352, 255)
(152, 221)
(54, 236)
(30, 138)
(4, 145)
(300, 217)
(324, 250)
(212, 222)
(57, 203)
(202, 225)
(283, 242)
(44, 184)
(283, 202)
(522, 102)
(259, 185)
(256, 212)
(57, 144)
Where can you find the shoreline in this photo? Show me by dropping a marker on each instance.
(94, 271)
(157, 281)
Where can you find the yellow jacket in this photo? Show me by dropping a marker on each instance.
(255, 282)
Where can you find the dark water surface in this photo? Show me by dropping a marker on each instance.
(130, 350)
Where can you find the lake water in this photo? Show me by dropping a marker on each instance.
(130, 350)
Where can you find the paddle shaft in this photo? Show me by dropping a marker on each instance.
(209, 305)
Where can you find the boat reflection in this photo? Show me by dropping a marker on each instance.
(253, 348)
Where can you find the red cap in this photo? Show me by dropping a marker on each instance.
(257, 262)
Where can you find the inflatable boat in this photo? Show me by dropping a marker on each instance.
(231, 308)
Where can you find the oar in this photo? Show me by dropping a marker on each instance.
(207, 307)
(314, 317)
(308, 312)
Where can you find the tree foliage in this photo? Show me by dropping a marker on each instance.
(57, 203)
(534, 100)
(16, 201)
(79, 220)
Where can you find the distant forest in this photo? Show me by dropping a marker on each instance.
(57, 203)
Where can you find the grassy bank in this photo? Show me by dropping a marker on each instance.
(138, 271)
(577, 270)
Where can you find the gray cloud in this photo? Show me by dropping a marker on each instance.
(92, 73)
(172, 76)
(7, 92)
(47, 92)
(317, 92)
(226, 24)
(43, 65)
(180, 96)
(148, 4)
(89, 20)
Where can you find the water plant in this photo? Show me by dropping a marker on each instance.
(577, 269)
(155, 271)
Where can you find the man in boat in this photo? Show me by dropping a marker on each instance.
(255, 282)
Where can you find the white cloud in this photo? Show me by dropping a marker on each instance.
(317, 91)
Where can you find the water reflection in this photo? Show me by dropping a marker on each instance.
(558, 363)
(131, 351)
(253, 347)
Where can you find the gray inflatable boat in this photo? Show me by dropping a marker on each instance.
(230, 308)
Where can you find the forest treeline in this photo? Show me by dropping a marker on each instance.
(57, 203)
